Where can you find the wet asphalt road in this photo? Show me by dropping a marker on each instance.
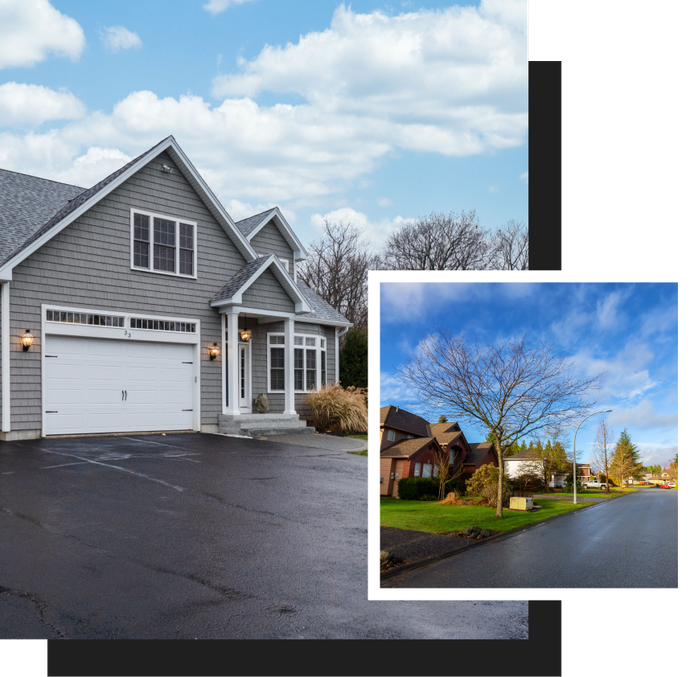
(201, 536)
(628, 542)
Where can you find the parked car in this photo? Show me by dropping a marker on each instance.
(595, 484)
(672, 485)
(665, 486)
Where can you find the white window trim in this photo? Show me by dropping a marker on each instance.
(286, 263)
(319, 351)
(177, 220)
(316, 348)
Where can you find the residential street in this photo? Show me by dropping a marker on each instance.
(201, 536)
(628, 542)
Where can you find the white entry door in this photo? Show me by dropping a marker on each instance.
(104, 385)
(244, 377)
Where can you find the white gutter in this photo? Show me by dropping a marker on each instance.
(5, 354)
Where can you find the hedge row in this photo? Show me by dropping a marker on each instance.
(416, 488)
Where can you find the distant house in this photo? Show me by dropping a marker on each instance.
(530, 461)
(410, 447)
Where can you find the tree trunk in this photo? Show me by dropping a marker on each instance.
(499, 501)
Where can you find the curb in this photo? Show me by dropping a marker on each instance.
(456, 551)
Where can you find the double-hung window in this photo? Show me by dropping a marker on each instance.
(305, 363)
(163, 244)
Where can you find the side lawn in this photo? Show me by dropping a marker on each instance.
(434, 518)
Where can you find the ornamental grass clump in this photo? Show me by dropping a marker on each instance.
(339, 410)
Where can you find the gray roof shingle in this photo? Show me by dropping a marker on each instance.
(247, 225)
(26, 203)
(52, 205)
(235, 283)
(320, 309)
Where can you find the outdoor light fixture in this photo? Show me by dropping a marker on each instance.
(245, 334)
(27, 340)
(213, 351)
(167, 169)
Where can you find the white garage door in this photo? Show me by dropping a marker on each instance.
(102, 385)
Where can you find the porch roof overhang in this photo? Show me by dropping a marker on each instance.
(230, 296)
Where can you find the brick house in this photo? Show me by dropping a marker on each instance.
(410, 447)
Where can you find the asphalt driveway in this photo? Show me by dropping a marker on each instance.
(201, 536)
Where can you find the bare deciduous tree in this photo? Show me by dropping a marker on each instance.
(445, 471)
(510, 247)
(336, 269)
(438, 242)
(601, 456)
(512, 389)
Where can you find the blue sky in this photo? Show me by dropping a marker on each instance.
(629, 331)
(372, 112)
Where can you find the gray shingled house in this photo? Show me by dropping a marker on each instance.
(140, 305)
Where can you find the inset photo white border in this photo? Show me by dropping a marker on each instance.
(621, 599)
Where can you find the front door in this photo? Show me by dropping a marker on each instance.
(244, 376)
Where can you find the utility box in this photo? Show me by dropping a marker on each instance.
(521, 503)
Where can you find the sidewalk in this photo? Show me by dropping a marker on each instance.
(318, 441)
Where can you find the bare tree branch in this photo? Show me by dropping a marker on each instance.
(336, 269)
(510, 247)
(438, 242)
(512, 389)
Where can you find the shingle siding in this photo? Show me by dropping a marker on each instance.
(88, 265)
(269, 240)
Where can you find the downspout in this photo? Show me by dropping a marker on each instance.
(5, 354)
(338, 336)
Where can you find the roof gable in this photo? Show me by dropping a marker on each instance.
(395, 417)
(232, 292)
(252, 225)
(81, 202)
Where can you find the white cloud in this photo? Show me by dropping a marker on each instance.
(393, 392)
(642, 416)
(525, 177)
(384, 202)
(241, 210)
(116, 38)
(30, 30)
(23, 105)
(93, 166)
(295, 155)
(451, 81)
(608, 308)
(218, 6)
(376, 232)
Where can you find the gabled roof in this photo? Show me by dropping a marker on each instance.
(407, 448)
(477, 451)
(527, 455)
(320, 310)
(42, 226)
(439, 428)
(231, 292)
(26, 203)
(395, 417)
(444, 439)
(253, 224)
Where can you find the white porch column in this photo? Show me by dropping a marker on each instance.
(289, 366)
(233, 395)
(5, 354)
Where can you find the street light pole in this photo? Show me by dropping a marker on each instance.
(606, 411)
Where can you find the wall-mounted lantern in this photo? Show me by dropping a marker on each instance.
(245, 334)
(213, 351)
(27, 339)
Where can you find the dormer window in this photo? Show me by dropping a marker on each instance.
(163, 244)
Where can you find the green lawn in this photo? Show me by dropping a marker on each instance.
(434, 518)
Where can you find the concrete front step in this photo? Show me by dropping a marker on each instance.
(267, 432)
(256, 425)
